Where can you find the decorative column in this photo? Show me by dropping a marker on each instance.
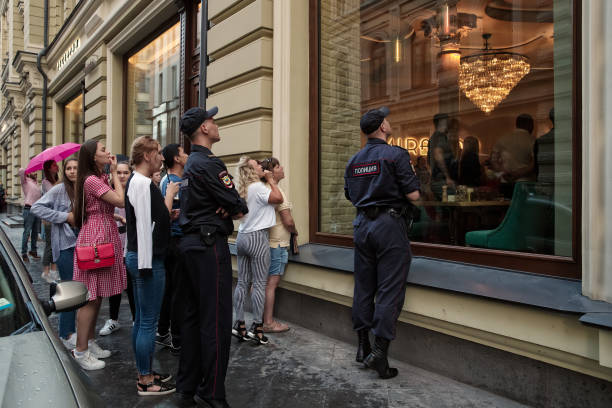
(596, 150)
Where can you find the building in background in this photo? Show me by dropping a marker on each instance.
(511, 284)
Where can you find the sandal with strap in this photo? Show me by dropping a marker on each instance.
(164, 388)
(257, 334)
(163, 377)
(239, 330)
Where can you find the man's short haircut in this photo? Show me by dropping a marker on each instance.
(438, 117)
(169, 153)
(525, 121)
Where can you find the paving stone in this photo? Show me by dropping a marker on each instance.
(299, 368)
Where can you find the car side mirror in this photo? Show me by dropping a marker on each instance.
(69, 295)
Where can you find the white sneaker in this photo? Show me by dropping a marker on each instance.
(97, 351)
(70, 342)
(47, 277)
(109, 327)
(88, 362)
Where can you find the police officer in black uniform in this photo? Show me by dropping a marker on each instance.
(209, 201)
(381, 183)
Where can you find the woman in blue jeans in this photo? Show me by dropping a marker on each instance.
(56, 207)
(148, 235)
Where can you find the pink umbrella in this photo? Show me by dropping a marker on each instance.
(56, 153)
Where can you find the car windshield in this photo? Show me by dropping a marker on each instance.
(15, 317)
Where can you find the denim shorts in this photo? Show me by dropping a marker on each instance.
(279, 257)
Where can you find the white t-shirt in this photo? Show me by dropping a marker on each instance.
(261, 215)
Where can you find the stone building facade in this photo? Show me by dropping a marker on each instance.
(21, 31)
(262, 75)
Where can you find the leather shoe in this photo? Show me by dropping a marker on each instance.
(363, 345)
(210, 403)
(377, 359)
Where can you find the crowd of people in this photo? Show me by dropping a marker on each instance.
(163, 240)
(515, 156)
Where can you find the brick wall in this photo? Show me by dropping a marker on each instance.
(340, 110)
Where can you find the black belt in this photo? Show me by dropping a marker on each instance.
(374, 211)
(26, 206)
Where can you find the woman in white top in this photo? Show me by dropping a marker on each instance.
(252, 244)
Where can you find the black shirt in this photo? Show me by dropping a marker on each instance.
(379, 175)
(206, 186)
(439, 140)
(154, 233)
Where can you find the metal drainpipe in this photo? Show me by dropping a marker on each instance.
(203, 54)
(39, 57)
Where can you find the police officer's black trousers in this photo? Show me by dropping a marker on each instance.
(206, 329)
(382, 260)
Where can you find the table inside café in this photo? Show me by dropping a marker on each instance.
(464, 216)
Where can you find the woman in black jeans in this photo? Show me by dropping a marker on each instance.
(112, 324)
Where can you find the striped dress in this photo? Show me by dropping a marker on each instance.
(100, 228)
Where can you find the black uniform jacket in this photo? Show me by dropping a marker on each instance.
(379, 175)
(205, 187)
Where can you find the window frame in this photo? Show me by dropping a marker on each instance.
(567, 267)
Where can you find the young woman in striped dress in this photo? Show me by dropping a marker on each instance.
(252, 244)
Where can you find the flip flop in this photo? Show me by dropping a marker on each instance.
(276, 327)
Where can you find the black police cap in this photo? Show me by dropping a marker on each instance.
(371, 120)
(194, 117)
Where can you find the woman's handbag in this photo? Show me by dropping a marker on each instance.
(94, 256)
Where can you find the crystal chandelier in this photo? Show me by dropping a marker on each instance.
(488, 77)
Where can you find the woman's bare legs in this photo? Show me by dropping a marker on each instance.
(86, 323)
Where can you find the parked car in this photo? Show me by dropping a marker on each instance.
(36, 370)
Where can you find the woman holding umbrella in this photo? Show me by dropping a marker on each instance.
(31, 191)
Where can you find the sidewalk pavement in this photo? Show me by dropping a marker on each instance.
(299, 368)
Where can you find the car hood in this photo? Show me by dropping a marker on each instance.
(31, 374)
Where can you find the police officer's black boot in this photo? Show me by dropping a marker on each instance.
(363, 345)
(378, 359)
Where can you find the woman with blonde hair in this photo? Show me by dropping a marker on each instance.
(252, 244)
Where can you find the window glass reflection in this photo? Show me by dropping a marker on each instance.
(152, 91)
(480, 94)
(73, 120)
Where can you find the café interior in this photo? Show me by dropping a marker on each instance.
(480, 96)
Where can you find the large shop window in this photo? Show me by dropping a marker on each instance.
(483, 96)
(152, 99)
(73, 120)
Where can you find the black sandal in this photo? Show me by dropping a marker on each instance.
(239, 330)
(164, 388)
(256, 333)
(163, 377)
